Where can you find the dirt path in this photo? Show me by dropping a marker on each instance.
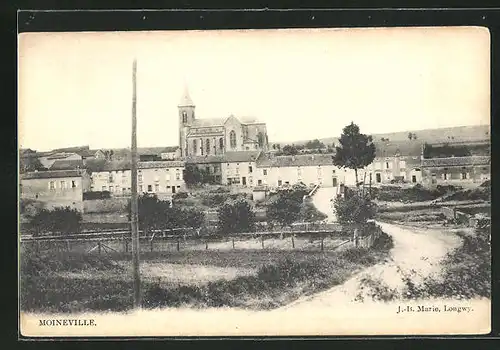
(321, 200)
(416, 251)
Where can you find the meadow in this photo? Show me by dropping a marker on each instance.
(72, 281)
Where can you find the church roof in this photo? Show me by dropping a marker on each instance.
(201, 123)
(249, 120)
(186, 100)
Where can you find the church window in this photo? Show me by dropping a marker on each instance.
(260, 139)
(207, 142)
(232, 139)
(221, 143)
(184, 117)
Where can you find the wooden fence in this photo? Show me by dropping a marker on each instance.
(120, 242)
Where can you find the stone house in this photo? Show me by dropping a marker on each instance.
(57, 188)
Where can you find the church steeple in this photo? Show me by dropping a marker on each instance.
(186, 100)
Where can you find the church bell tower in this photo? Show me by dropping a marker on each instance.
(186, 117)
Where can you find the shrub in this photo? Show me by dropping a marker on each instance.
(236, 216)
(180, 195)
(285, 205)
(58, 221)
(309, 213)
(354, 209)
(157, 214)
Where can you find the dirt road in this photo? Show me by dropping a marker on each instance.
(321, 200)
(416, 252)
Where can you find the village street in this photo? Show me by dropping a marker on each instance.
(416, 253)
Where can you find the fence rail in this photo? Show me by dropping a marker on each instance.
(286, 240)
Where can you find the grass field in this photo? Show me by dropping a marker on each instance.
(252, 278)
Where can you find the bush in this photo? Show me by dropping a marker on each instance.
(236, 216)
(309, 213)
(57, 221)
(354, 209)
(285, 205)
(155, 214)
(180, 195)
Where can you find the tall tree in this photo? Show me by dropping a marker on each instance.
(355, 150)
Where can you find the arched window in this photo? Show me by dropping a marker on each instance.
(260, 139)
(207, 143)
(221, 143)
(184, 117)
(194, 147)
(232, 139)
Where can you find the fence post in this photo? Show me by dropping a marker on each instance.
(68, 245)
(233, 243)
(126, 246)
(293, 242)
(99, 247)
(262, 240)
(178, 244)
(151, 245)
(322, 238)
(206, 244)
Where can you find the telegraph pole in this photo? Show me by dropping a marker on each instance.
(134, 201)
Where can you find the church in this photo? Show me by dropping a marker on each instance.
(204, 137)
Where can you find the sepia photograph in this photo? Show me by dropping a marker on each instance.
(277, 182)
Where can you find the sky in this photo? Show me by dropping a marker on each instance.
(76, 88)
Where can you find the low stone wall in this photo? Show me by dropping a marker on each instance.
(109, 205)
(462, 218)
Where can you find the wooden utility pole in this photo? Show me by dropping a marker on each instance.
(134, 201)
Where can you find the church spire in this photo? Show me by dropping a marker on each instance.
(186, 100)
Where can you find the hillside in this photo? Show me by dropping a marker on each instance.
(459, 133)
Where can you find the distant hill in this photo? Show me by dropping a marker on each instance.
(458, 133)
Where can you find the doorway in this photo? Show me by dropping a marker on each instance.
(334, 181)
(173, 189)
(244, 181)
(378, 178)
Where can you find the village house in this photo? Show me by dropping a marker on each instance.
(161, 177)
(231, 168)
(465, 164)
(58, 188)
(311, 169)
(394, 162)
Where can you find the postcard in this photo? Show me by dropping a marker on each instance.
(282, 182)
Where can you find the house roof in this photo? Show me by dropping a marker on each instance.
(228, 157)
(75, 149)
(160, 164)
(127, 165)
(67, 164)
(61, 155)
(456, 161)
(170, 149)
(144, 151)
(51, 174)
(269, 160)
(391, 148)
(117, 165)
